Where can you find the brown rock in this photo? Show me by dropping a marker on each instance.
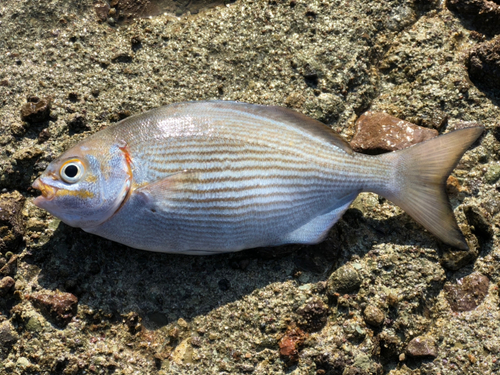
(484, 63)
(59, 306)
(314, 314)
(36, 110)
(378, 132)
(468, 293)
(290, 344)
(11, 226)
(374, 316)
(484, 14)
(422, 346)
(101, 11)
(6, 284)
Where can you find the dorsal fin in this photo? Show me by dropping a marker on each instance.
(310, 125)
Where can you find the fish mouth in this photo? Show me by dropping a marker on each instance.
(48, 192)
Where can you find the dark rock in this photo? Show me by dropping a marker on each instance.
(313, 315)
(36, 110)
(77, 122)
(43, 136)
(374, 316)
(58, 306)
(453, 259)
(290, 344)
(224, 284)
(484, 63)
(422, 346)
(483, 14)
(6, 285)
(468, 293)
(11, 226)
(378, 132)
(481, 228)
(387, 346)
(344, 280)
(122, 58)
(101, 11)
(8, 334)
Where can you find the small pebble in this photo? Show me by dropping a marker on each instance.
(8, 334)
(374, 316)
(344, 280)
(422, 346)
(6, 285)
(492, 174)
(314, 315)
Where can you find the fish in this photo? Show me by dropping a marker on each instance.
(218, 176)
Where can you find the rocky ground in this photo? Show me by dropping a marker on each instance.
(380, 295)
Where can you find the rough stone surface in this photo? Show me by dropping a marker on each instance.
(483, 14)
(344, 280)
(374, 316)
(422, 346)
(6, 285)
(36, 110)
(332, 60)
(313, 315)
(468, 293)
(290, 344)
(59, 306)
(8, 334)
(484, 63)
(378, 132)
(11, 225)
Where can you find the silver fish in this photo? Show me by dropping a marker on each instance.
(216, 176)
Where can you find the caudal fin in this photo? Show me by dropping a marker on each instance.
(419, 183)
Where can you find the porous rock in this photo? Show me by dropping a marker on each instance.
(313, 315)
(290, 344)
(484, 63)
(36, 110)
(483, 14)
(468, 293)
(378, 132)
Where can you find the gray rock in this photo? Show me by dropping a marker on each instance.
(344, 280)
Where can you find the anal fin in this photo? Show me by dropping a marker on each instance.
(315, 230)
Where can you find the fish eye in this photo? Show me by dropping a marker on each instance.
(72, 171)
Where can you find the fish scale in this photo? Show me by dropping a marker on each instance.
(208, 177)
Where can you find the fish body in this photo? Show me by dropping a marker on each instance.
(211, 177)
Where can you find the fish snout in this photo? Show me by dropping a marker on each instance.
(48, 192)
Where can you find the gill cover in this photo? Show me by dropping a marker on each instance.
(86, 185)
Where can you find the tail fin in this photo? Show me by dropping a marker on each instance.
(419, 182)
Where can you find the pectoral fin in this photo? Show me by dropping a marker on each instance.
(171, 188)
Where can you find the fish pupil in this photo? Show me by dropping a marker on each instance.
(71, 171)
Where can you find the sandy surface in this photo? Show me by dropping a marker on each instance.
(393, 304)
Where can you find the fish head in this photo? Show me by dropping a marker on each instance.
(87, 184)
